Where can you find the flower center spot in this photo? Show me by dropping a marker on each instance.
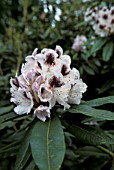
(55, 82)
(49, 59)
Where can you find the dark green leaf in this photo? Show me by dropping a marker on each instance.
(7, 124)
(9, 152)
(80, 24)
(3, 103)
(98, 44)
(91, 119)
(88, 70)
(100, 101)
(97, 62)
(31, 166)
(93, 66)
(24, 151)
(107, 85)
(98, 165)
(7, 116)
(89, 111)
(112, 167)
(107, 51)
(47, 144)
(90, 151)
(88, 136)
(6, 109)
(24, 117)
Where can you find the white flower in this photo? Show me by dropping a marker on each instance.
(59, 50)
(46, 79)
(30, 77)
(36, 84)
(42, 112)
(78, 43)
(19, 81)
(88, 16)
(23, 100)
(23, 83)
(30, 58)
(102, 20)
(60, 94)
(76, 91)
(65, 62)
(72, 77)
(14, 85)
(47, 60)
(31, 64)
(59, 90)
(45, 94)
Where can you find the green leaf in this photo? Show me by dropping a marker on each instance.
(47, 144)
(31, 166)
(112, 167)
(107, 51)
(80, 24)
(7, 124)
(106, 86)
(90, 151)
(100, 101)
(93, 66)
(88, 69)
(98, 44)
(89, 111)
(88, 136)
(4, 102)
(99, 164)
(6, 109)
(24, 151)
(9, 152)
(97, 62)
(7, 116)
(24, 117)
(88, 120)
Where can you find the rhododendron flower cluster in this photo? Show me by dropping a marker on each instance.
(78, 44)
(46, 79)
(101, 19)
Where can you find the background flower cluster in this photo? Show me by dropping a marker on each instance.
(101, 19)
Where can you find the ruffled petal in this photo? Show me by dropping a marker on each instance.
(76, 91)
(44, 93)
(31, 58)
(23, 100)
(59, 50)
(72, 77)
(61, 95)
(14, 84)
(42, 112)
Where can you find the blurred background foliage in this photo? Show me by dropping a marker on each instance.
(27, 24)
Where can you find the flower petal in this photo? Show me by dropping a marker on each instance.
(24, 101)
(14, 84)
(61, 95)
(44, 93)
(30, 58)
(72, 77)
(42, 112)
(36, 84)
(59, 50)
(76, 91)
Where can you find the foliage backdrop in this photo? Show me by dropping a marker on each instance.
(27, 24)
